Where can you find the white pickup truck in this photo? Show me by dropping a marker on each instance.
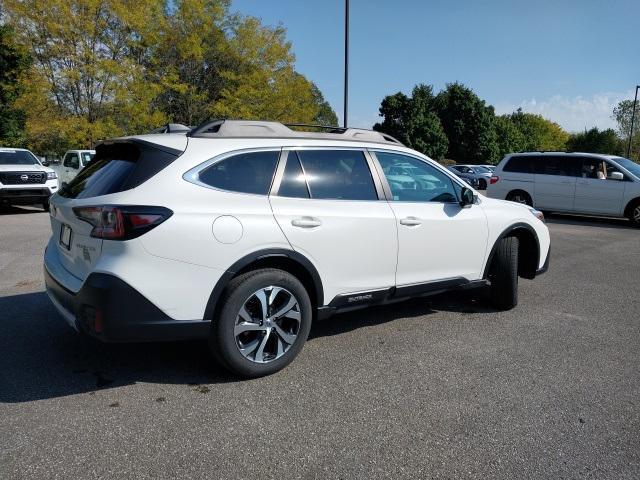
(24, 180)
(72, 162)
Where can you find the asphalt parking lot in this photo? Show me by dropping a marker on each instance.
(430, 388)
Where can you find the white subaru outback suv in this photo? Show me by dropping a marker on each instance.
(245, 232)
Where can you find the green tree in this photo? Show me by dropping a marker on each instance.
(468, 124)
(596, 141)
(413, 121)
(509, 138)
(622, 115)
(13, 63)
(325, 114)
(104, 68)
(539, 133)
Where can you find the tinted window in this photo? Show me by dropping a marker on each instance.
(413, 180)
(72, 161)
(293, 182)
(520, 164)
(564, 166)
(250, 172)
(115, 168)
(17, 157)
(338, 174)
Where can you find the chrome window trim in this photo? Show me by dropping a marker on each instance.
(370, 164)
(192, 175)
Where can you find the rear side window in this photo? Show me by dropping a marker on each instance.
(520, 164)
(250, 172)
(117, 167)
(337, 174)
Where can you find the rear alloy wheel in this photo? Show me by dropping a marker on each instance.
(263, 324)
(503, 274)
(520, 197)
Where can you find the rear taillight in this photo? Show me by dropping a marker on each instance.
(494, 179)
(122, 222)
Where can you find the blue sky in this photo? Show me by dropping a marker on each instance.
(569, 60)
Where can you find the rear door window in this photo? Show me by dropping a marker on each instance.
(117, 167)
(294, 183)
(250, 172)
(337, 174)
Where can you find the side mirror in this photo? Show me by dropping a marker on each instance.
(467, 197)
(616, 176)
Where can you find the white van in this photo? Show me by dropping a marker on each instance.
(582, 183)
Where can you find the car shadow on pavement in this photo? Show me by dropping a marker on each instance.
(463, 302)
(15, 210)
(42, 357)
(601, 222)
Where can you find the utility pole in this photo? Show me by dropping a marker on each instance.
(346, 61)
(633, 117)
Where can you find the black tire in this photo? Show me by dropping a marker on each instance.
(482, 185)
(633, 213)
(222, 340)
(503, 274)
(45, 206)
(520, 196)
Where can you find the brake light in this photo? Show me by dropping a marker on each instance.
(494, 179)
(122, 222)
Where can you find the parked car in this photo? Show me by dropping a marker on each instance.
(582, 183)
(479, 173)
(491, 168)
(24, 180)
(245, 232)
(72, 163)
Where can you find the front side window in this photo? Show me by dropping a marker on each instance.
(412, 180)
(250, 172)
(86, 157)
(337, 174)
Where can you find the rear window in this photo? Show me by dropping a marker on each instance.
(17, 157)
(117, 167)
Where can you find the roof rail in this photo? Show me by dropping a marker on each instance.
(171, 128)
(223, 128)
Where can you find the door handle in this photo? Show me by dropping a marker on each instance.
(410, 221)
(306, 222)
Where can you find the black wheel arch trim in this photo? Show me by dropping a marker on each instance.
(247, 260)
(505, 233)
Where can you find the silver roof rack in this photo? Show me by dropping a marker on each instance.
(265, 129)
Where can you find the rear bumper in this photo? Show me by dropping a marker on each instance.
(110, 310)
